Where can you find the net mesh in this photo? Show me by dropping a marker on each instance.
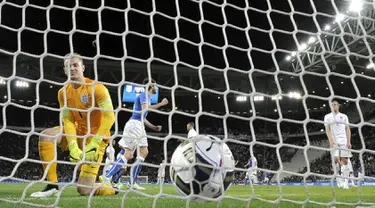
(258, 74)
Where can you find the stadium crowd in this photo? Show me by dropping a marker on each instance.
(22, 152)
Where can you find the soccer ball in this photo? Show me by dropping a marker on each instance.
(202, 167)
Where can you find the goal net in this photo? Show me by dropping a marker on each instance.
(140, 179)
(260, 75)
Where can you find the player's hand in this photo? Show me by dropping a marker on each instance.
(331, 144)
(164, 101)
(349, 145)
(75, 153)
(92, 149)
(158, 128)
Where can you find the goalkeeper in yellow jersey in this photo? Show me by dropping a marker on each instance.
(79, 95)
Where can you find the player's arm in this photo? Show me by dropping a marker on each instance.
(155, 106)
(328, 131)
(68, 120)
(348, 132)
(143, 101)
(69, 129)
(104, 102)
(247, 164)
(151, 126)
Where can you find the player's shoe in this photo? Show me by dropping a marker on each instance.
(48, 191)
(137, 187)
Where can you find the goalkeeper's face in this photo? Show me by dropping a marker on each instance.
(74, 69)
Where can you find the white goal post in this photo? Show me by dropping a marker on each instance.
(259, 73)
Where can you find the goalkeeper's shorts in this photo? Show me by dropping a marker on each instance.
(90, 170)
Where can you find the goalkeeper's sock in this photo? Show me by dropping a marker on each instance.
(104, 191)
(47, 154)
(121, 161)
(137, 168)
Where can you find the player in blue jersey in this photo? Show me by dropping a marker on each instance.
(251, 174)
(134, 135)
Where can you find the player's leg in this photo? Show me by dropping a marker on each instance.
(127, 145)
(88, 176)
(344, 154)
(351, 173)
(255, 176)
(345, 171)
(118, 175)
(137, 166)
(119, 168)
(47, 142)
(246, 177)
(158, 179)
(336, 156)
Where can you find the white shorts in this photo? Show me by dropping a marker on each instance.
(341, 150)
(251, 172)
(134, 134)
(161, 176)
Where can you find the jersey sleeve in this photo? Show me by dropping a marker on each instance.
(326, 122)
(104, 102)
(142, 98)
(67, 117)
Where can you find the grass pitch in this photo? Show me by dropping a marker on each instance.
(237, 196)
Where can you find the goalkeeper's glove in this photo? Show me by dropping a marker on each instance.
(75, 152)
(92, 149)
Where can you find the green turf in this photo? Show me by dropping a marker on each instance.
(237, 196)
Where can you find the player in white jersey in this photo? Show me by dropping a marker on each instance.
(191, 131)
(110, 153)
(339, 136)
(134, 135)
(251, 173)
(161, 173)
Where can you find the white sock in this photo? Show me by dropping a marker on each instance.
(338, 178)
(345, 171)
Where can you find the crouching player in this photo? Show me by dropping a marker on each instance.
(79, 94)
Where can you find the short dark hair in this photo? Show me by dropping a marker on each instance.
(146, 81)
(335, 101)
(192, 124)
